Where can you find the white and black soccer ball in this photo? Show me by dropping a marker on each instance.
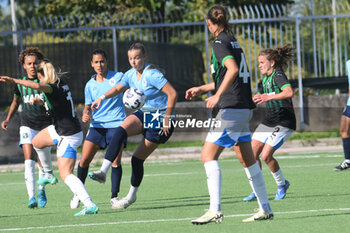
(133, 99)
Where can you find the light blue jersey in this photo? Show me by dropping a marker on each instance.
(150, 84)
(348, 71)
(111, 112)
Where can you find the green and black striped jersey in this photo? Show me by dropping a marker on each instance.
(61, 106)
(32, 116)
(278, 112)
(239, 94)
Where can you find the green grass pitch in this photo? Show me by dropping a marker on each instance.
(174, 192)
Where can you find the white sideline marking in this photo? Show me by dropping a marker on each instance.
(164, 220)
(12, 183)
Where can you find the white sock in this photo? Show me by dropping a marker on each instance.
(132, 193)
(41, 175)
(213, 171)
(78, 188)
(257, 183)
(106, 164)
(29, 176)
(279, 178)
(347, 160)
(44, 155)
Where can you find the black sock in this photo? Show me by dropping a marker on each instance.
(346, 147)
(116, 177)
(115, 145)
(82, 173)
(137, 171)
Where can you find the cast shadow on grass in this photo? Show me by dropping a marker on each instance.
(194, 201)
(317, 215)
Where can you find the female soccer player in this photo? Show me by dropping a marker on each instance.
(345, 128)
(65, 133)
(232, 106)
(160, 102)
(279, 122)
(33, 119)
(103, 122)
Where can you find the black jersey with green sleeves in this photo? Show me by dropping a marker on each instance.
(32, 116)
(239, 94)
(60, 104)
(278, 112)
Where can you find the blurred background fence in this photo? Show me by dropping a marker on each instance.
(181, 46)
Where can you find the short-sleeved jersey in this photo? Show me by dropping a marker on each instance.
(111, 112)
(239, 94)
(60, 104)
(278, 112)
(32, 116)
(150, 84)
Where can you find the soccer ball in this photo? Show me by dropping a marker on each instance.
(133, 99)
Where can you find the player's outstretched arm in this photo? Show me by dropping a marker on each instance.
(194, 91)
(27, 83)
(109, 94)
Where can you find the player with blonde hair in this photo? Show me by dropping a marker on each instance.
(65, 132)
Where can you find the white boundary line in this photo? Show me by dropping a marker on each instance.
(190, 173)
(163, 220)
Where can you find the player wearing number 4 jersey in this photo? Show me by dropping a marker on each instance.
(279, 121)
(232, 105)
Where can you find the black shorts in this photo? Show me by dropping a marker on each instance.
(101, 136)
(346, 111)
(154, 135)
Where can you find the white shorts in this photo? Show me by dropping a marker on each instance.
(26, 135)
(66, 145)
(234, 127)
(273, 136)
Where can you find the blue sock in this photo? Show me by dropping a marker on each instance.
(82, 173)
(137, 171)
(116, 177)
(116, 143)
(346, 148)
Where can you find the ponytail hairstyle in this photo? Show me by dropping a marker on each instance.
(281, 56)
(218, 16)
(48, 71)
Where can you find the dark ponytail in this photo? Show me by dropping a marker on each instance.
(281, 56)
(218, 16)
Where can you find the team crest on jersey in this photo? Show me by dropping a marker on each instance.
(144, 82)
(25, 136)
(112, 82)
(269, 85)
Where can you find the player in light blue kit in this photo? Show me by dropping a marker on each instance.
(160, 102)
(345, 129)
(103, 122)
